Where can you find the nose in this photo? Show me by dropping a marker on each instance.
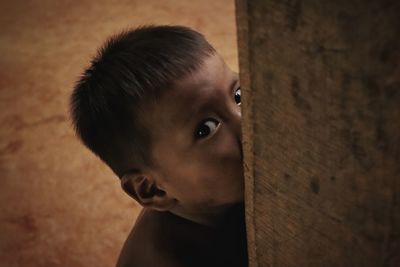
(237, 122)
(236, 125)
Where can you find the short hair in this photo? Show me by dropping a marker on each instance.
(132, 68)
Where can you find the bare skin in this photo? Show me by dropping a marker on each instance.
(161, 239)
(193, 196)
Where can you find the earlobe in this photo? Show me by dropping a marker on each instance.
(145, 191)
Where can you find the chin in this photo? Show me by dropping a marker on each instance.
(240, 201)
(237, 200)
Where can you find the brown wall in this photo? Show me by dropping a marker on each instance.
(59, 205)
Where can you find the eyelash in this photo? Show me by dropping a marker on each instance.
(205, 131)
(239, 96)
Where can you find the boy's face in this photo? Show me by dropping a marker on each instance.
(196, 134)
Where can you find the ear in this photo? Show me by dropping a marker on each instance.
(145, 191)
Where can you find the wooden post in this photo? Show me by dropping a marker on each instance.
(321, 124)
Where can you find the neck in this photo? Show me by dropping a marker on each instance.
(210, 217)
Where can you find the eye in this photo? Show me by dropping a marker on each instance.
(205, 128)
(238, 96)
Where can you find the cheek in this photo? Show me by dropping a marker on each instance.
(226, 148)
(211, 174)
(226, 171)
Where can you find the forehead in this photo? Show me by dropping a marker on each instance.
(190, 93)
(211, 73)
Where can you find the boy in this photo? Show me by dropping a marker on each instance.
(160, 107)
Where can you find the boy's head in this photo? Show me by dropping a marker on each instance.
(162, 109)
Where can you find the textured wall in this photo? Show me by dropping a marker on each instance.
(321, 117)
(59, 205)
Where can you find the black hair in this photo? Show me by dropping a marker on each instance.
(131, 69)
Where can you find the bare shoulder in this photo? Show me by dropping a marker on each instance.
(141, 248)
(161, 239)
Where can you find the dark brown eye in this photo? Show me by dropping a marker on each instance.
(238, 96)
(205, 128)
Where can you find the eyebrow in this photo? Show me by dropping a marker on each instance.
(195, 110)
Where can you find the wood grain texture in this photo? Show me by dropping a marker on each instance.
(321, 124)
